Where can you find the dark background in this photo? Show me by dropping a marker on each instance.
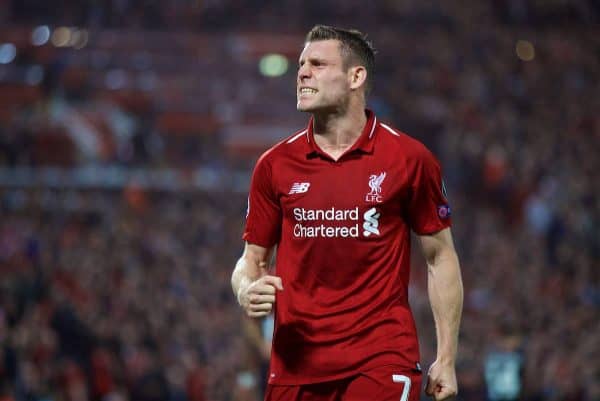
(128, 130)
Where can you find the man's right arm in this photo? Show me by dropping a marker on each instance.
(251, 283)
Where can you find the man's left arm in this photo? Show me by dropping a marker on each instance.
(446, 297)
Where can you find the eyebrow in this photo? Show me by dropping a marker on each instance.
(313, 59)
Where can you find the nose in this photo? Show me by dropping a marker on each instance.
(303, 72)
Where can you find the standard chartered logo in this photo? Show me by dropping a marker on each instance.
(334, 223)
(371, 224)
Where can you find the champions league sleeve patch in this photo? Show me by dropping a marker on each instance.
(444, 211)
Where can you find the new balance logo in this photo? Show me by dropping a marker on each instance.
(371, 224)
(299, 188)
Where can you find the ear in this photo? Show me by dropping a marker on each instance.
(357, 76)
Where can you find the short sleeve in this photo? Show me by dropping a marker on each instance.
(428, 210)
(263, 218)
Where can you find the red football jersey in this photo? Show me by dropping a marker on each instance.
(342, 231)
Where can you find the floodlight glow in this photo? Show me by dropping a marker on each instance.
(79, 38)
(525, 50)
(61, 36)
(40, 35)
(273, 65)
(8, 52)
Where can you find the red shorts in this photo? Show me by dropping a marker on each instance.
(386, 383)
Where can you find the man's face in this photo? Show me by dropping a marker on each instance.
(322, 81)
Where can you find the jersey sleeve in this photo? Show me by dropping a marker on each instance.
(428, 208)
(263, 217)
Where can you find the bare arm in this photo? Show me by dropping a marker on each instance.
(446, 298)
(253, 287)
(254, 335)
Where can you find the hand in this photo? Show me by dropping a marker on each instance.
(258, 297)
(441, 381)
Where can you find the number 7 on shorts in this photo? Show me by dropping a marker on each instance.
(406, 381)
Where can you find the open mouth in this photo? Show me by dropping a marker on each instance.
(307, 91)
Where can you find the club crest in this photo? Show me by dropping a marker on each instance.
(375, 181)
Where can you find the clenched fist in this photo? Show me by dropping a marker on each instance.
(441, 381)
(258, 297)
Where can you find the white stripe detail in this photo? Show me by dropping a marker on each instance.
(297, 136)
(373, 127)
(406, 389)
(389, 129)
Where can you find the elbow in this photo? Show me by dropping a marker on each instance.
(435, 256)
(441, 257)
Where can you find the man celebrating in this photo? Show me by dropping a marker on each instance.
(338, 201)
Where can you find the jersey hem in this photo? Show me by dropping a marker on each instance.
(325, 379)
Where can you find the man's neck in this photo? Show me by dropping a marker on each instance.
(337, 132)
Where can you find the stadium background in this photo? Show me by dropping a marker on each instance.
(127, 132)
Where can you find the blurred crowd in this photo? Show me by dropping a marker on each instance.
(118, 296)
(122, 294)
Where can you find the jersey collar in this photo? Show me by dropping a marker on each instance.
(364, 143)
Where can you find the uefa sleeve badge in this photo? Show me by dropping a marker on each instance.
(444, 211)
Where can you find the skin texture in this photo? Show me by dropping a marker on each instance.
(446, 297)
(337, 103)
(321, 67)
(254, 287)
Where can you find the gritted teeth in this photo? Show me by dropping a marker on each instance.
(307, 91)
